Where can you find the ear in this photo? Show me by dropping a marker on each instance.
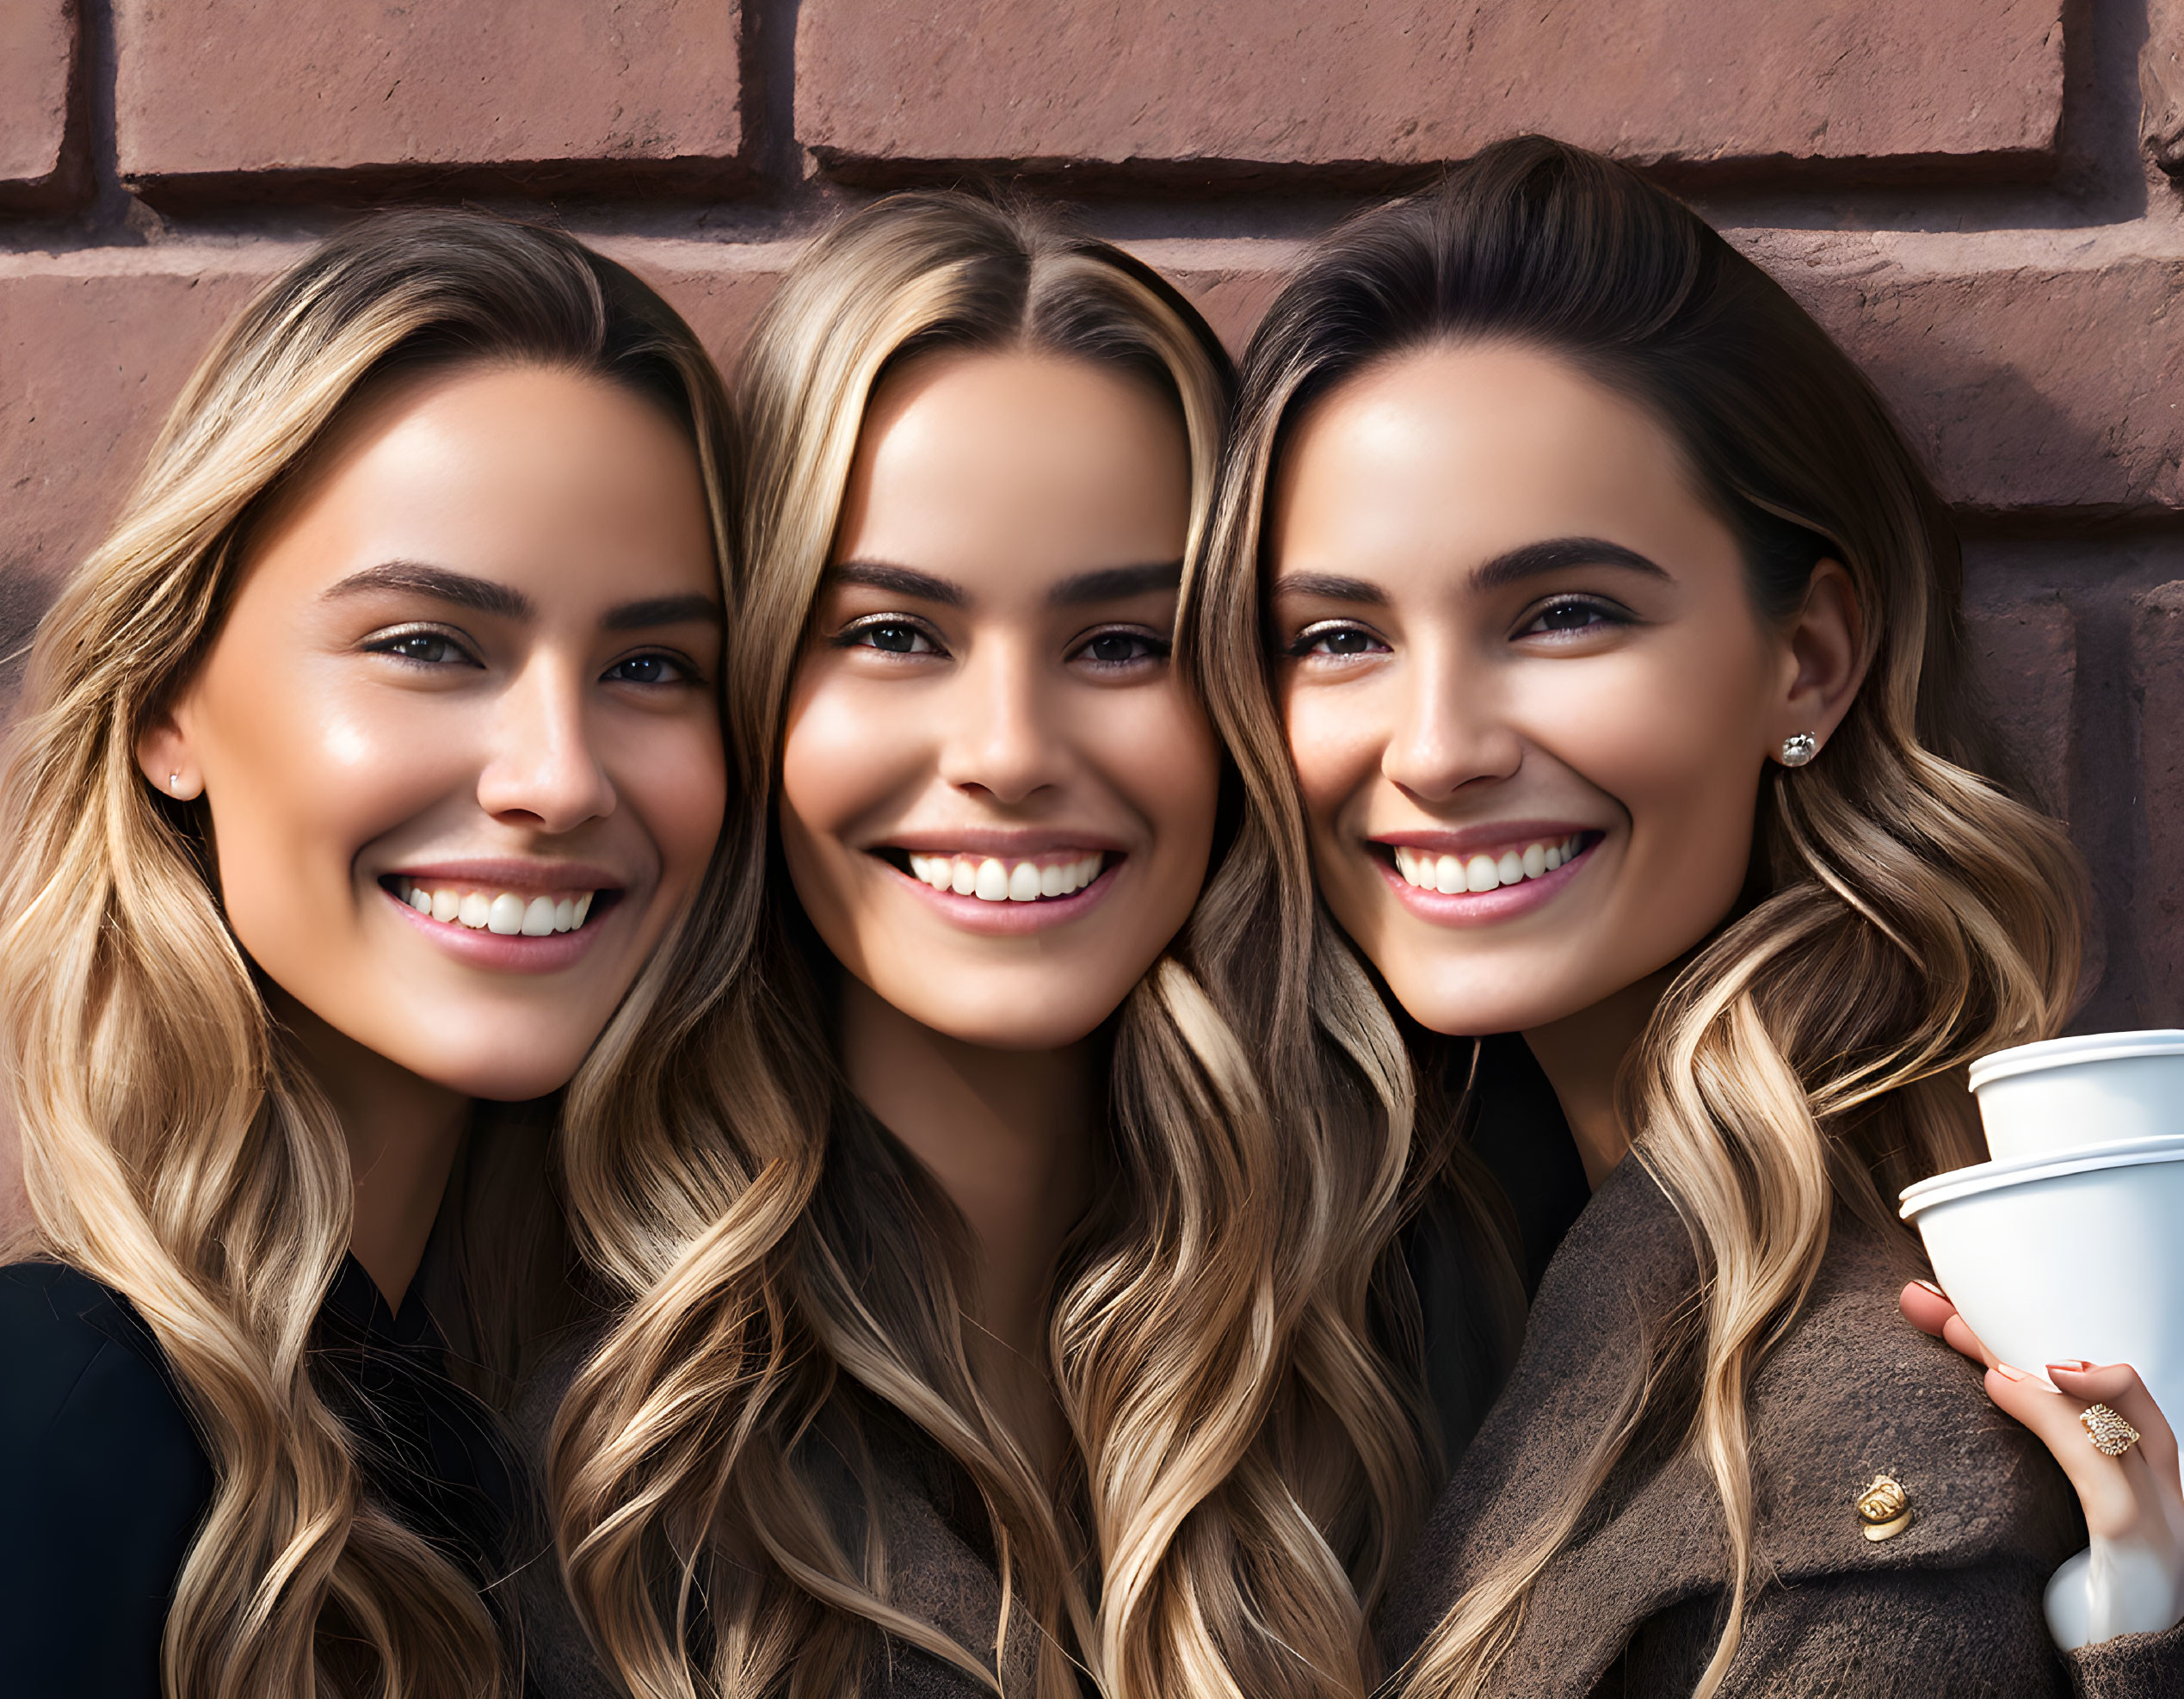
(1824, 660)
(165, 757)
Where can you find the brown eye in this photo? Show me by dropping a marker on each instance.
(1339, 642)
(1560, 618)
(423, 648)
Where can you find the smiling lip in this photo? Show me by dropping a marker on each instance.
(1070, 859)
(1484, 908)
(518, 951)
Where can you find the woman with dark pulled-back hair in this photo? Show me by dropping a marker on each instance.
(1613, 636)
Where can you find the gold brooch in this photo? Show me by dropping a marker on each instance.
(1884, 1508)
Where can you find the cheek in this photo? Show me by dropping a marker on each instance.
(676, 782)
(1168, 763)
(298, 782)
(844, 755)
(1334, 746)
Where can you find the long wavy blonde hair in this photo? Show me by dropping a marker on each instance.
(174, 1146)
(792, 1282)
(1902, 913)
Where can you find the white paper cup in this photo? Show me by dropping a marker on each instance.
(2059, 1258)
(2068, 1094)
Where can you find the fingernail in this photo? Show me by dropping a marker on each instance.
(2075, 1365)
(2009, 1374)
(1930, 1287)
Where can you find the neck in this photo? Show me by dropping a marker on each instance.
(402, 1132)
(1008, 1136)
(1581, 1055)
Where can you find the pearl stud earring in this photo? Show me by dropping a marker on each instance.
(1798, 748)
(174, 783)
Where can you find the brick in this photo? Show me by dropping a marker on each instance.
(37, 41)
(544, 94)
(2161, 85)
(2025, 660)
(94, 351)
(1225, 88)
(2158, 681)
(2036, 370)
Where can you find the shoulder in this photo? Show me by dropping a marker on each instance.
(78, 1353)
(102, 1483)
(1852, 1391)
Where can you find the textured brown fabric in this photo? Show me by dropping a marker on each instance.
(1950, 1606)
(939, 1578)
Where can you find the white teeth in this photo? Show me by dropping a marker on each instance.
(993, 880)
(1451, 875)
(505, 914)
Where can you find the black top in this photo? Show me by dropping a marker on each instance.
(103, 1481)
(1518, 1132)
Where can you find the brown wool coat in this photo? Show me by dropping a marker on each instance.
(1950, 1606)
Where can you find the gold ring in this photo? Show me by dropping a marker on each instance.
(2111, 1435)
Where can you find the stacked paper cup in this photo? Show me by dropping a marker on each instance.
(2069, 1244)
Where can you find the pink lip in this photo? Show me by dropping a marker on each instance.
(503, 953)
(525, 879)
(1477, 908)
(1010, 920)
(1003, 844)
(1488, 835)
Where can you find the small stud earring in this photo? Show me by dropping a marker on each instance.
(1798, 748)
(174, 783)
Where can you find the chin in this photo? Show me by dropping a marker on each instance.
(1010, 1027)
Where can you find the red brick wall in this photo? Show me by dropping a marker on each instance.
(1970, 194)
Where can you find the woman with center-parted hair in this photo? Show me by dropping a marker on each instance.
(1615, 637)
(1012, 1301)
(369, 773)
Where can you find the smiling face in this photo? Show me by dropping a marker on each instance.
(457, 737)
(996, 798)
(1527, 694)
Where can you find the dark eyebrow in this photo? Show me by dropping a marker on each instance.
(419, 577)
(1115, 583)
(900, 580)
(1329, 588)
(1533, 559)
(662, 610)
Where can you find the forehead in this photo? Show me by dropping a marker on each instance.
(510, 472)
(1014, 459)
(1468, 450)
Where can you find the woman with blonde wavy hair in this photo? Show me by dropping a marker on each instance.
(1017, 1304)
(368, 769)
(1614, 636)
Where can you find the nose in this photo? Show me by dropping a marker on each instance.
(1449, 730)
(544, 770)
(1001, 738)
